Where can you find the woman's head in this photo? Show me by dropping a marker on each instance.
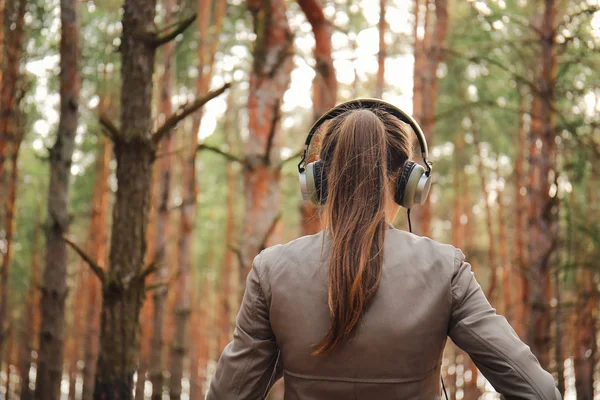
(362, 154)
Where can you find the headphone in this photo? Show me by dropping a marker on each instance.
(414, 182)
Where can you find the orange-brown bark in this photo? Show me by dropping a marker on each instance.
(429, 53)
(269, 79)
(31, 316)
(161, 233)
(519, 276)
(97, 239)
(54, 292)
(324, 90)
(543, 214)
(10, 74)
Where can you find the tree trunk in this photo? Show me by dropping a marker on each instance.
(225, 292)
(123, 288)
(73, 344)
(381, 55)
(505, 268)
(54, 291)
(269, 79)
(159, 294)
(519, 277)
(13, 11)
(429, 53)
(324, 91)
(97, 248)
(543, 225)
(30, 325)
(585, 333)
(488, 218)
(9, 137)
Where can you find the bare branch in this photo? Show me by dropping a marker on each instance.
(290, 158)
(238, 254)
(180, 27)
(227, 155)
(96, 269)
(270, 231)
(150, 269)
(186, 110)
(109, 126)
(274, 122)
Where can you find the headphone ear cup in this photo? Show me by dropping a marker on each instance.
(399, 197)
(413, 185)
(316, 182)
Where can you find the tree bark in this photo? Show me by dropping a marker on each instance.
(226, 282)
(519, 277)
(159, 295)
(30, 319)
(324, 91)
(54, 291)
(429, 53)
(123, 288)
(97, 248)
(269, 79)
(585, 353)
(13, 11)
(543, 222)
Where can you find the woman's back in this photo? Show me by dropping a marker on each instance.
(362, 310)
(427, 292)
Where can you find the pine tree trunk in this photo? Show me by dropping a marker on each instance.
(382, 54)
(97, 250)
(505, 268)
(159, 295)
(10, 74)
(123, 289)
(585, 352)
(54, 291)
(519, 277)
(269, 79)
(30, 326)
(10, 221)
(9, 140)
(324, 91)
(492, 262)
(226, 290)
(429, 53)
(543, 225)
(72, 346)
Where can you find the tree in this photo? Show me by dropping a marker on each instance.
(135, 146)
(324, 89)
(543, 220)
(269, 79)
(429, 52)
(161, 231)
(97, 250)
(54, 290)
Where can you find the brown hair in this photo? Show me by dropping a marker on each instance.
(363, 151)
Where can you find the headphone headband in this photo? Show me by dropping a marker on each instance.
(369, 104)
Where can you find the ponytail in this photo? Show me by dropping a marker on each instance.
(355, 159)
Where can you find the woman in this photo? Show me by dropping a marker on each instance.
(362, 310)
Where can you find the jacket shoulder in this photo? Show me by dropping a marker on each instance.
(425, 244)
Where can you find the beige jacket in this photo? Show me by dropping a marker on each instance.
(427, 293)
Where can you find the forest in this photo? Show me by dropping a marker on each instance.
(148, 152)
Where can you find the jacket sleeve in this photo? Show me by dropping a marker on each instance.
(248, 366)
(492, 343)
